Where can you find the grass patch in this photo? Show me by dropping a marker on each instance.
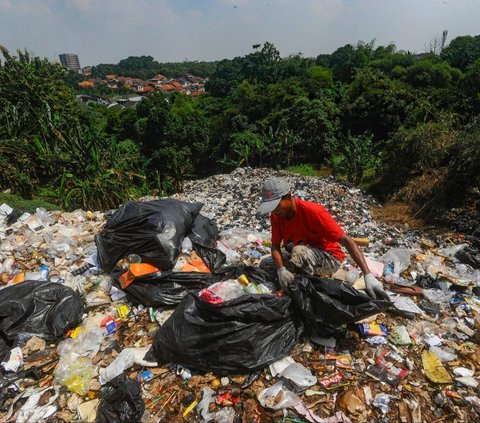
(303, 169)
(17, 202)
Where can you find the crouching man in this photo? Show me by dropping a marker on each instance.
(312, 238)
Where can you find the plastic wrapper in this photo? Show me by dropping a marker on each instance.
(325, 304)
(123, 403)
(36, 308)
(75, 372)
(154, 230)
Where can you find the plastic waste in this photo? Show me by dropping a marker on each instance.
(203, 405)
(467, 381)
(452, 250)
(32, 411)
(153, 230)
(277, 397)
(443, 355)
(75, 372)
(280, 365)
(231, 256)
(325, 304)
(126, 359)
(352, 275)
(400, 336)
(123, 403)
(437, 296)
(299, 375)
(15, 360)
(403, 303)
(242, 335)
(225, 415)
(87, 343)
(381, 401)
(463, 372)
(186, 246)
(37, 308)
(434, 369)
(400, 257)
(204, 231)
(227, 290)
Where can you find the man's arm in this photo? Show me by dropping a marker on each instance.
(373, 286)
(277, 255)
(285, 277)
(354, 252)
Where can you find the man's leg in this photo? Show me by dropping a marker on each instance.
(313, 261)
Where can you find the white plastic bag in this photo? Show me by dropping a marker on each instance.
(287, 398)
(299, 375)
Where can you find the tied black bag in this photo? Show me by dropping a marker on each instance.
(241, 335)
(123, 403)
(326, 304)
(154, 230)
(37, 308)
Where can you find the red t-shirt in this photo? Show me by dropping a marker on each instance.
(312, 225)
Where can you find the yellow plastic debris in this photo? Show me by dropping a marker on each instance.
(434, 369)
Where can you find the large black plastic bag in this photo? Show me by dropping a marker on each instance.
(241, 335)
(154, 230)
(169, 288)
(213, 258)
(204, 231)
(123, 403)
(326, 304)
(165, 290)
(37, 308)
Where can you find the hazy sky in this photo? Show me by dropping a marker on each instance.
(106, 31)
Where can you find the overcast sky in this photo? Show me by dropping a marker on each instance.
(106, 31)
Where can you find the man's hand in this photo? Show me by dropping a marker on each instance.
(374, 288)
(285, 277)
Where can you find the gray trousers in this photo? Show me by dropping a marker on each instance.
(303, 259)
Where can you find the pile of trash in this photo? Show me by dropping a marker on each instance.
(158, 311)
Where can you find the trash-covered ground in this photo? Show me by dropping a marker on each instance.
(74, 346)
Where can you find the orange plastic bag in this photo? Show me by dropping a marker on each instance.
(136, 270)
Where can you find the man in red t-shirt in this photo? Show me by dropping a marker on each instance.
(312, 236)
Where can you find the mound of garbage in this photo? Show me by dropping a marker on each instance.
(158, 311)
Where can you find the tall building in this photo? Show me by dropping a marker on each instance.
(70, 61)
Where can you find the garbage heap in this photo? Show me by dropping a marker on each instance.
(159, 312)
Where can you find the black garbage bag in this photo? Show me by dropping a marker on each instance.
(213, 258)
(204, 231)
(154, 230)
(469, 255)
(168, 289)
(37, 308)
(326, 304)
(241, 335)
(254, 274)
(123, 403)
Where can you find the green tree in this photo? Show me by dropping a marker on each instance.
(462, 51)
